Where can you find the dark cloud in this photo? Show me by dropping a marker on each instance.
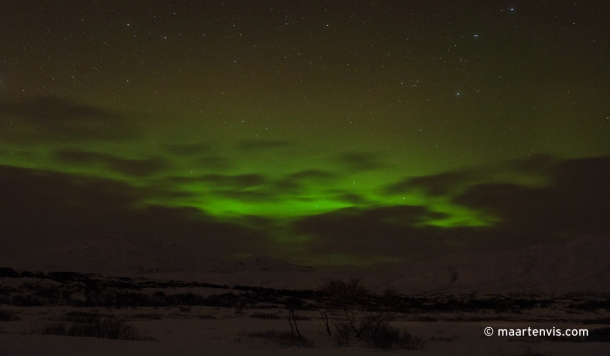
(241, 181)
(131, 167)
(261, 145)
(189, 150)
(312, 175)
(48, 118)
(138, 167)
(524, 213)
(48, 109)
(575, 203)
(201, 155)
(438, 184)
(287, 186)
(213, 163)
(42, 210)
(538, 163)
(360, 161)
(39, 208)
(383, 231)
(449, 183)
(256, 187)
(298, 182)
(582, 190)
(222, 181)
(249, 196)
(244, 187)
(352, 198)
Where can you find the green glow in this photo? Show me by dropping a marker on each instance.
(457, 216)
(228, 193)
(278, 130)
(337, 259)
(284, 182)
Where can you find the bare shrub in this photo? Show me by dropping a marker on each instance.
(8, 315)
(105, 328)
(292, 304)
(376, 333)
(343, 333)
(267, 316)
(284, 339)
(151, 316)
(207, 317)
(82, 316)
(374, 330)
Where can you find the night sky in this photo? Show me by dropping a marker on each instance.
(320, 132)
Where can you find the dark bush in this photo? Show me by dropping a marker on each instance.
(343, 334)
(8, 315)
(67, 277)
(151, 316)
(80, 316)
(267, 316)
(383, 336)
(106, 328)
(8, 273)
(284, 339)
(26, 301)
(206, 317)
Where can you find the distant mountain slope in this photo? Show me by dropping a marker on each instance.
(266, 263)
(580, 265)
(120, 255)
(575, 266)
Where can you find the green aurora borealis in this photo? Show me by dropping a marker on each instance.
(319, 132)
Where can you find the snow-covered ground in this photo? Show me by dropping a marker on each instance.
(223, 331)
(574, 266)
(578, 268)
